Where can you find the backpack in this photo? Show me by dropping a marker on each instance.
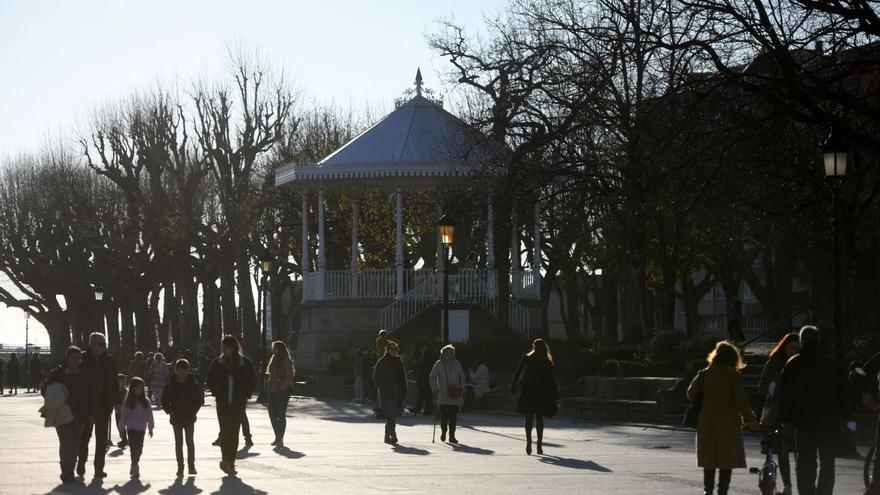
(56, 410)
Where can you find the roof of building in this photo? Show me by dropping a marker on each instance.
(417, 139)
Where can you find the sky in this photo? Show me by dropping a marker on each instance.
(61, 59)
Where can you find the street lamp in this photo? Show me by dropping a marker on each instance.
(27, 324)
(266, 267)
(99, 293)
(99, 298)
(834, 158)
(446, 228)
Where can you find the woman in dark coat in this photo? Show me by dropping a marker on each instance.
(539, 397)
(82, 398)
(35, 372)
(771, 377)
(181, 399)
(390, 379)
(13, 374)
(231, 379)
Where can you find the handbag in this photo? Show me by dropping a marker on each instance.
(451, 390)
(692, 414)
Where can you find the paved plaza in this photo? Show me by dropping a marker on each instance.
(334, 448)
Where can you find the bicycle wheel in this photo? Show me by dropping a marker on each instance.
(869, 466)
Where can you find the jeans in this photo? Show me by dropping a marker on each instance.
(277, 406)
(391, 407)
(102, 431)
(179, 432)
(448, 420)
(809, 443)
(69, 436)
(245, 425)
(136, 444)
(230, 423)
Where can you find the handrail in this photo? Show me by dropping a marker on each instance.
(775, 328)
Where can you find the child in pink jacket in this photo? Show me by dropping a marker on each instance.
(137, 417)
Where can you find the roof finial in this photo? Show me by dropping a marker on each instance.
(418, 82)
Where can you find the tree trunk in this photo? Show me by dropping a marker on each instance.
(128, 334)
(112, 315)
(167, 326)
(227, 301)
(250, 328)
(187, 291)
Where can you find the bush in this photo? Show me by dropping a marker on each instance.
(667, 347)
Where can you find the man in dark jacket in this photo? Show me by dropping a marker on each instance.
(813, 402)
(102, 367)
(35, 370)
(231, 379)
(425, 400)
(390, 379)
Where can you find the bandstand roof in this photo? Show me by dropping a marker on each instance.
(417, 142)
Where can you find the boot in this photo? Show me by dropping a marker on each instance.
(67, 476)
(708, 481)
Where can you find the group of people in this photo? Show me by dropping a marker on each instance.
(81, 395)
(17, 374)
(806, 404)
(538, 397)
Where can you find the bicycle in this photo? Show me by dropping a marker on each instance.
(767, 474)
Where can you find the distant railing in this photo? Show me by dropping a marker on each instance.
(524, 285)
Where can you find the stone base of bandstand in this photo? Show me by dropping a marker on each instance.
(329, 328)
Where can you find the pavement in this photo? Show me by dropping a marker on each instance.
(335, 448)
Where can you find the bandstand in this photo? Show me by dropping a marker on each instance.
(417, 147)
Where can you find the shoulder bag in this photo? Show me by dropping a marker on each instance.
(692, 415)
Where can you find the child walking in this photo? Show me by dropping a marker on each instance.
(182, 399)
(137, 417)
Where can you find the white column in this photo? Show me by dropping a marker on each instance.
(398, 260)
(490, 248)
(515, 261)
(355, 250)
(322, 258)
(536, 255)
(305, 242)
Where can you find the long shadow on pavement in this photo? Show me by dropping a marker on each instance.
(286, 452)
(573, 463)
(467, 449)
(400, 449)
(181, 488)
(132, 487)
(232, 485)
(245, 453)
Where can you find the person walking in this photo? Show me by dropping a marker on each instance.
(359, 370)
(13, 374)
(231, 379)
(447, 383)
(788, 346)
(725, 407)
(280, 374)
(813, 403)
(78, 392)
(35, 372)
(539, 394)
(137, 367)
(102, 367)
(181, 400)
(425, 400)
(158, 376)
(2, 369)
(390, 379)
(137, 417)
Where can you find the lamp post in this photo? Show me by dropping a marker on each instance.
(27, 324)
(266, 267)
(446, 227)
(834, 159)
(99, 298)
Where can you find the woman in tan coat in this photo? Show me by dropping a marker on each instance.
(725, 408)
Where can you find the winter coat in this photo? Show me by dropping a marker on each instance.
(390, 378)
(769, 388)
(137, 418)
(539, 393)
(182, 400)
(442, 376)
(158, 375)
(725, 407)
(238, 376)
(35, 369)
(56, 410)
(137, 368)
(103, 371)
(81, 395)
(280, 376)
(814, 392)
(13, 373)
